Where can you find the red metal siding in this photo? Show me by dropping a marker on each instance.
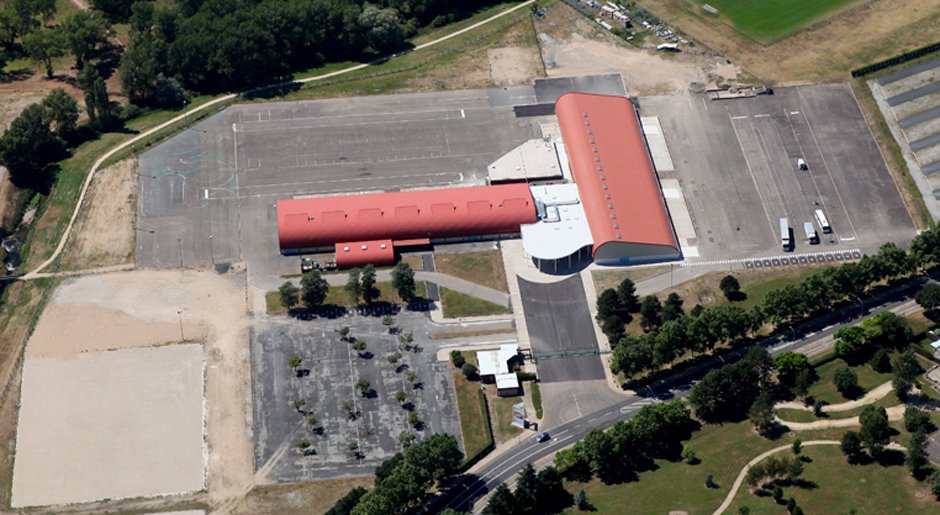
(441, 213)
(361, 253)
(611, 166)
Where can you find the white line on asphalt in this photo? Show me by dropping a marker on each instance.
(761, 116)
(756, 187)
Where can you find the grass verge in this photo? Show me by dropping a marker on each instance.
(536, 399)
(755, 284)
(501, 409)
(471, 410)
(604, 279)
(457, 305)
(484, 268)
(299, 498)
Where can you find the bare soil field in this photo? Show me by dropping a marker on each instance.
(104, 232)
(572, 45)
(511, 66)
(149, 309)
(861, 34)
(298, 499)
(105, 425)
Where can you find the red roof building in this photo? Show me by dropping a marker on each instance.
(403, 218)
(618, 187)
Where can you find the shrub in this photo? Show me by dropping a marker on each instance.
(456, 357)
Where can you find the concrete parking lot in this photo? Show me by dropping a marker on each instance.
(327, 380)
(736, 163)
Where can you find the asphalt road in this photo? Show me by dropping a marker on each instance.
(465, 489)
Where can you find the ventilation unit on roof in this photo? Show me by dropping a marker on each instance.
(585, 114)
(600, 168)
(613, 216)
(610, 206)
(590, 132)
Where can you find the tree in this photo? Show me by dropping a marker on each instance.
(303, 444)
(874, 432)
(403, 280)
(906, 369)
(62, 112)
(846, 382)
(789, 365)
(470, 371)
(345, 505)
(363, 386)
(934, 482)
(414, 420)
(406, 438)
(916, 419)
(314, 289)
(916, 459)
(849, 341)
(44, 46)
(730, 286)
(411, 376)
(393, 358)
(502, 502)
(626, 294)
(851, 445)
(650, 312)
(354, 285)
(294, 361)
(804, 380)
(359, 346)
(382, 28)
(791, 504)
(313, 421)
(581, 501)
(672, 308)
(929, 296)
(526, 491)
(299, 404)
(456, 357)
(343, 332)
(797, 446)
(28, 146)
(401, 396)
(84, 31)
(880, 362)
(288, 294)
(97, 103)
(778, 494)
(761, 414)
(608, 304)
(117, 11)
(369, 291)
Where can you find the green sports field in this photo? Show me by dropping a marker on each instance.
(769, 20)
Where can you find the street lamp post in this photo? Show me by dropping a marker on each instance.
(179, 313)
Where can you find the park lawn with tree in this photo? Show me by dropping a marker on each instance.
(868, 488)
(824, 389)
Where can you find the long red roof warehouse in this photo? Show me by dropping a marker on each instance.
(315, 223)
(618, 187)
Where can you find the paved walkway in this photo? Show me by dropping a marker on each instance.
(759, 458)
(872, 396)
(447, 281)
(895, 413)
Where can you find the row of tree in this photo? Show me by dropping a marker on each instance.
(361, 284)
(539, 493)
(704, 328)
(629, 447)
(215, 45)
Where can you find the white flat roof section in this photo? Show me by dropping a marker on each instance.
(562, 229)
(508, 380)
(681, 220)
(534, 159)
(656, 142)
(496, 362)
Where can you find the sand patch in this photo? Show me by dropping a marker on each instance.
(104, 232)
(110, 425)
(514, 65)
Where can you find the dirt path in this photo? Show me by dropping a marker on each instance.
(873, 395)
(758, 459)
(894, 413)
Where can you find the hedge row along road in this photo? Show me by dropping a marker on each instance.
(35, 274)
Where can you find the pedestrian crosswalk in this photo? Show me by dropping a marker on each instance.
(810, 258)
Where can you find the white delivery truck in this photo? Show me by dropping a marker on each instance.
(785, 240)
(811, 235)
(822, 221)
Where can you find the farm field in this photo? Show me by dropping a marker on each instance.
(769, 21)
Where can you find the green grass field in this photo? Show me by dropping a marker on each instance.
(767, 21)
(471, 410)
(456, 305)
(833, 486)
(501, 411)
(824, 390)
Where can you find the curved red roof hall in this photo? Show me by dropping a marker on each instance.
(315, 223)
(612, 168)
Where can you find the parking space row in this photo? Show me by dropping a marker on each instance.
(812, 258)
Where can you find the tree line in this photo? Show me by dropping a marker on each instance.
(675, 335)
(220, 45)
(361, 284)
(629, 447)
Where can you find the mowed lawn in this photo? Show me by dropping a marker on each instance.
(834, 486)
(767, 21)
